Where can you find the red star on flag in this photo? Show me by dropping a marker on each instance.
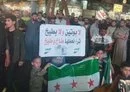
(57, 87)
(74, 84)
(91, 83)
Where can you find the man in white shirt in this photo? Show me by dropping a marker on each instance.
(102, 41)
(98, 39)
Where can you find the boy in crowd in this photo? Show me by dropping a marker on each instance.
(125, 70)
(124, 75)
(123, 86)
(36, 78)
(103, 64)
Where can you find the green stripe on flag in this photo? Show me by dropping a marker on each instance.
(86, 67)
(55, 72)
(83, 68)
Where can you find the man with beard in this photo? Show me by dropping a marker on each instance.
(60, 19)
(20, 25)
(40, 18)
(2, 55)
(32, 37)
(120, 48)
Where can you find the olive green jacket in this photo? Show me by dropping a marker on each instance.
(36, 80)
(19, 47)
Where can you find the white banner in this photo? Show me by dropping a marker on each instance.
(62, 40)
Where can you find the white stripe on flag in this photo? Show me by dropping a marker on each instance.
(74, 84)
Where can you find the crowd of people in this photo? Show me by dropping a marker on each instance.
(20, 64)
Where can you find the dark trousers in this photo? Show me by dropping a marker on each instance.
(18, 77)
(2, 72)
(10, 78)
(22, 76)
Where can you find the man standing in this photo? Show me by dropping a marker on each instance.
(32, 38)
(14, 50)
(120, 47)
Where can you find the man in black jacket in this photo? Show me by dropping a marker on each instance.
(14, 50)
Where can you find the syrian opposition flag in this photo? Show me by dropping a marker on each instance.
(78, 77)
